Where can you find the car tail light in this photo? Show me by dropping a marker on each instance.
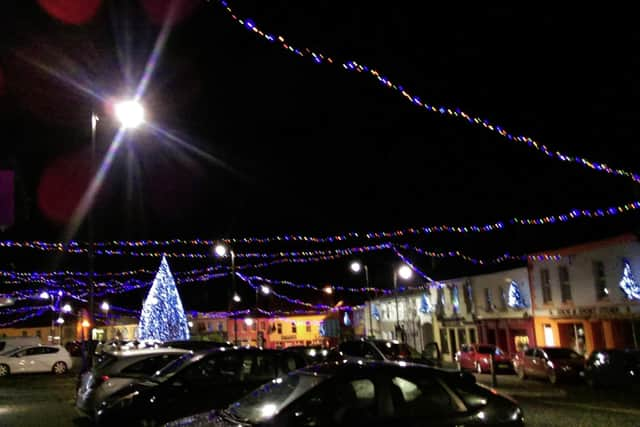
(99, 380)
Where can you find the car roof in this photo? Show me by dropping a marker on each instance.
(147, 351)
(347, 366)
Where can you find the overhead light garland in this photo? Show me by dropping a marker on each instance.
(353, 66)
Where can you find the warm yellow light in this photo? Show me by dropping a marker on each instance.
(328, 290)
(85, 323)
(405, 272)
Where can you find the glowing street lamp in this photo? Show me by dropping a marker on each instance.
(44, 295)
(405, 272)
(327, 290)
(356, 267)
(221, 250)
(248, 321)
(66, 308)
(130, 113)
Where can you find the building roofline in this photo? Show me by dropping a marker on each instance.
(587, 246)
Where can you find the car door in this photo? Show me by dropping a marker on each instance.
(467, 357)
(526, 363)
(538, 364)
(30, 360)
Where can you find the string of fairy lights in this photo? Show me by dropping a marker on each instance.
(353, 66)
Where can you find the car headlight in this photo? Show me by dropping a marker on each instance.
(516, 414)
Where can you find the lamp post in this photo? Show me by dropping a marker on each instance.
(221, 250)
(357, 267)
(105, 308)
(404, 271)
(130, 114)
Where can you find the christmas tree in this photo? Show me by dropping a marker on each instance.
(515, 299)
(163, 317)
(628, 284)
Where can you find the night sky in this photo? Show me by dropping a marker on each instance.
(282, 145)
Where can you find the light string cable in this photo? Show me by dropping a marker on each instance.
(352, 66)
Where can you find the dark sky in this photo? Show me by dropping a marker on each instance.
(312, 149)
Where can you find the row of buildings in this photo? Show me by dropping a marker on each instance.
(583, 297)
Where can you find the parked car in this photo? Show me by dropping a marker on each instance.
(381, 350)
(195, 383)
(196, 345)
(312, 354)
(477, 357)
(554, 363)
(611, 368)
(8, 344)
(40, 358)
(367, 394)
(117, 370)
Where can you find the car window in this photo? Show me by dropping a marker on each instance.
(395, 350)
(353, 348)
(219, 369)
(370, 352)
(49, 350)
(420, 396)
(33, 351)
(562, 353)
(262, 368)
(150, 365)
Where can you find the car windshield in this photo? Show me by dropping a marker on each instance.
(266, 401)
(169, 370)
(561, 353)
(392, 350)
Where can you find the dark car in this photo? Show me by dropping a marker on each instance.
(367, 394)
(554, 363)
(195, 383)
(477, 357)
(381, 350)
(611, 368)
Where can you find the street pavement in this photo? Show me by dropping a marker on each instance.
(45, 400)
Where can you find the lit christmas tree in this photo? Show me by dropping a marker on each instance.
(628, 284)
(425, 305)
(163, 317)
(515, 297)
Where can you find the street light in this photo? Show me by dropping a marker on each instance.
(405, 272)
(357, 267)
(130, 113)
(66, 308)
(221, 250)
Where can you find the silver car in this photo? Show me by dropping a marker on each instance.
(116, 370)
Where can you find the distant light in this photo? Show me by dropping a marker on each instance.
(221, 251)
(402, 363)
(248, 321)
(85, 323)
(312, 352)
(66, 308)
(268, 410)
(129, 113)
(190, 323)
(60, 321)
(44, 295)
(59, 293)
(236, 298)
(328, 290)
(104, 306)
(356, 267)
(265, 289)
(482, 415)
(405, 272)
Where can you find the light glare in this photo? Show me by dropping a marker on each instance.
(405, 272)
(129, 113)
(356, 266)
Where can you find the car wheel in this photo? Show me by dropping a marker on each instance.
(521, 374)
(59, 368)
(478, 367)
(4, 371)
(553, 378)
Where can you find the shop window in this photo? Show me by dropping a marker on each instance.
(548, 336)
(308, 326)
(546, 286)
(462, 336)
(565, 285)
(294, 328)
(279, 328)
(468, 296)
(488, 299)
(24, 333)
(444, 341)
(521, 342)
(600, 280)
(472, 336)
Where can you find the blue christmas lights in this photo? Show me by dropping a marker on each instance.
(163, 318)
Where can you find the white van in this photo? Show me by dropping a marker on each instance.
(11, 343)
